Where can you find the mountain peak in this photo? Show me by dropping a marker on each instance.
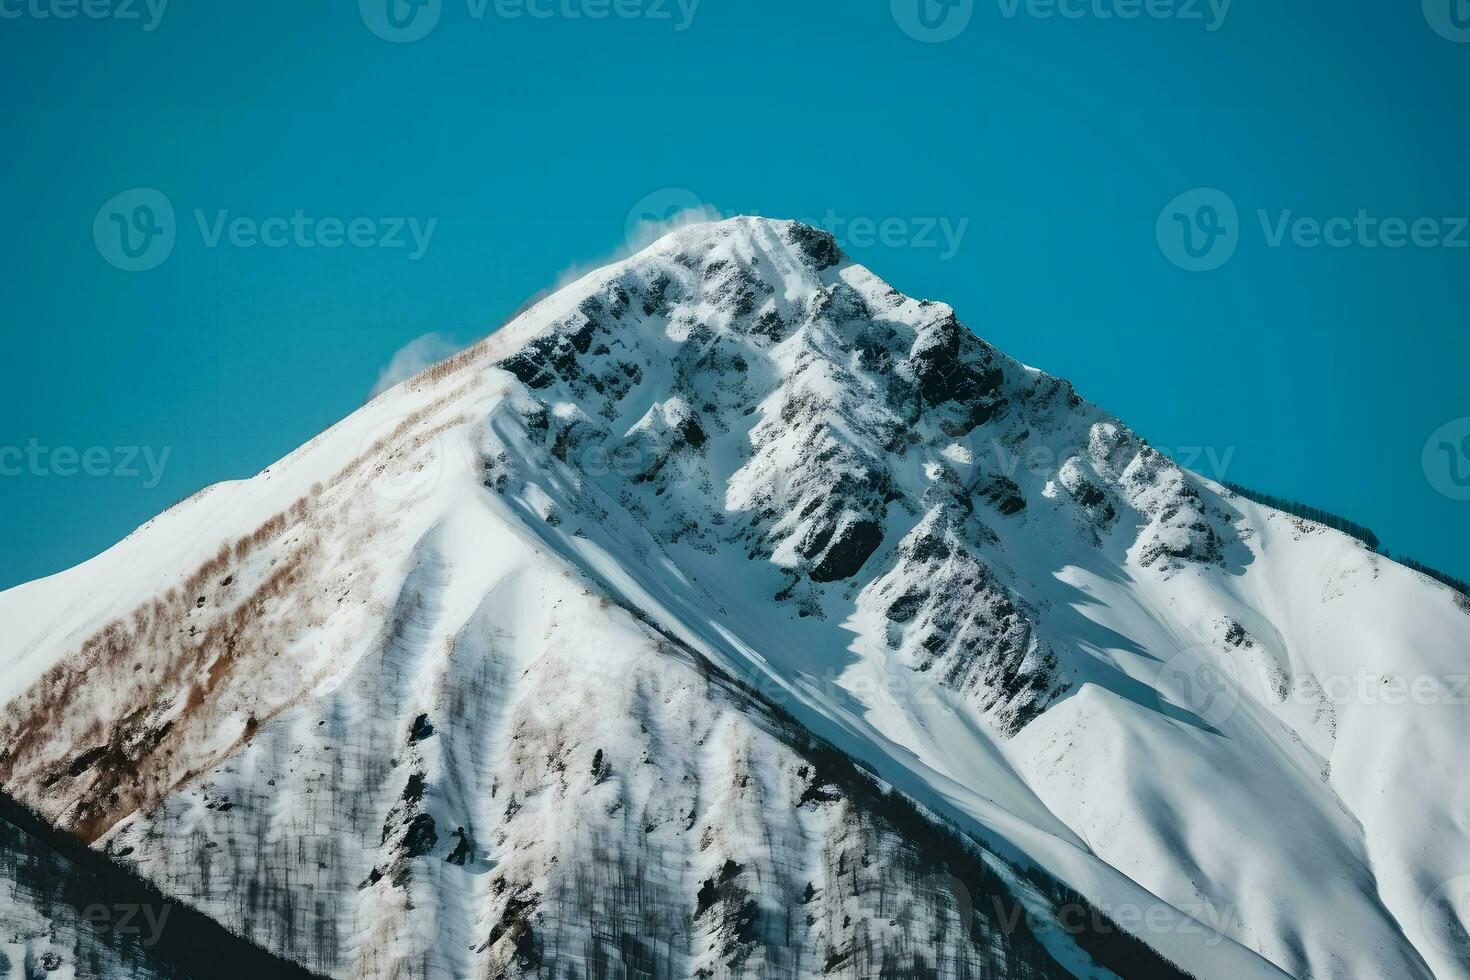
(753, 231)
(779, 251)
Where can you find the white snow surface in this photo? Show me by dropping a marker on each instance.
(739, 445)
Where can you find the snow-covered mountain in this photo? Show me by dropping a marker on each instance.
(729, 613)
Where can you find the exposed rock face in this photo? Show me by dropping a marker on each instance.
(819, 413)
(950, 616)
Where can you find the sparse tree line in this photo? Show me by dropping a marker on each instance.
(1356, 530)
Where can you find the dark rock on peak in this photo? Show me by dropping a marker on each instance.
(819, 246)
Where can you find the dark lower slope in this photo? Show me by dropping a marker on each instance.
(955, 868)
(944, 868)
(63, 905)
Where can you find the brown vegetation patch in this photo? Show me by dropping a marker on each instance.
(141, 700)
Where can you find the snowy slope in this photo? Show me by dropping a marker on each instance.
(584, 589)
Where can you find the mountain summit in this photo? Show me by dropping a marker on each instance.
(729, 613)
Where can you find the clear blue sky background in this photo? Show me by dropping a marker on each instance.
(1319, 373)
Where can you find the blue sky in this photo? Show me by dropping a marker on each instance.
(1068, 157)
